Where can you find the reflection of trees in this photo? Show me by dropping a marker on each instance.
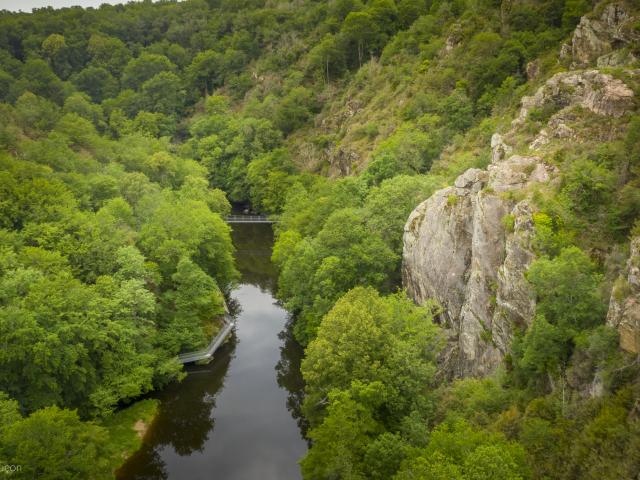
(253, 254)
(188, 409)
(185, 417)
(152, 466)
(253, 258)
(289, 376)
(235, 309)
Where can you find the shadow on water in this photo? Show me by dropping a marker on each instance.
(289, 377)
(239, 416)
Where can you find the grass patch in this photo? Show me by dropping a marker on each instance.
(126, 429)
(509, 222)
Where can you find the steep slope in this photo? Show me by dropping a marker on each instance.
(624, 307)
(469, 245)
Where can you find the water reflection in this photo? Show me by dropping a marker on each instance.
(253, 244)
(289, 377)
(235, 418)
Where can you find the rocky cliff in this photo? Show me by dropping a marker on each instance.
(469, 245)
(605, 40)
(624, 306)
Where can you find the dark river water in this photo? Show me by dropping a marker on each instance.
(236, 418)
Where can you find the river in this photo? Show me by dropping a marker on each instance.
(236, 418)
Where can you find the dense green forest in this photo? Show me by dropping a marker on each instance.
(127, 132)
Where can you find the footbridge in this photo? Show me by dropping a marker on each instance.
(207, 353)
(249, 219)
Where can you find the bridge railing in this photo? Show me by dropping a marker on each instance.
(214, 344)
(208, 352)
(249, 219)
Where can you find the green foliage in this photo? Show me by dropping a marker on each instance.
(476, 400)
(226, 145)
(195, 300)
(143, 68)
(327, 58)
(408, 151)
(550, 237)
(109, 53)
(118, 260)
(456, 450)
(163, 93)
(341, 440)
(587, 184)
(35, 114)
(368, 367)
(152, 125)
(595, 441)
(567, 288)
(361, 31)
(508, 221)
(269, 177)
(204, 72)
(54, 443)
(342, 256)
(38, 78)
(573, 10)
(388, 206)
(384, 455)
(569, 301)
(96, 82)
(546, 349)
(177, 229)
(372, 339)
(294, 109)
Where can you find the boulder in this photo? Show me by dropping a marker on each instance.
(499, 149)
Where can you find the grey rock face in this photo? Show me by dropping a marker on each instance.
(595, 38)
(556, 128)
(499, 149)
(458, 250)
(598, 92)
(533, 70)
(624, 306)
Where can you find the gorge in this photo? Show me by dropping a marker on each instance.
(432, 255)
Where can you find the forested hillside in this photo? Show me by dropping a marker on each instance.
(127, 131)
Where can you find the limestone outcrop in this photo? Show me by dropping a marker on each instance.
(624, 306)
(593, 90)
(601, 40)
(468, 247)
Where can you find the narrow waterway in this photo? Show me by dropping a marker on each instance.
(238, 417)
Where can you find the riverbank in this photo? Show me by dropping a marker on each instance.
(127, 429)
